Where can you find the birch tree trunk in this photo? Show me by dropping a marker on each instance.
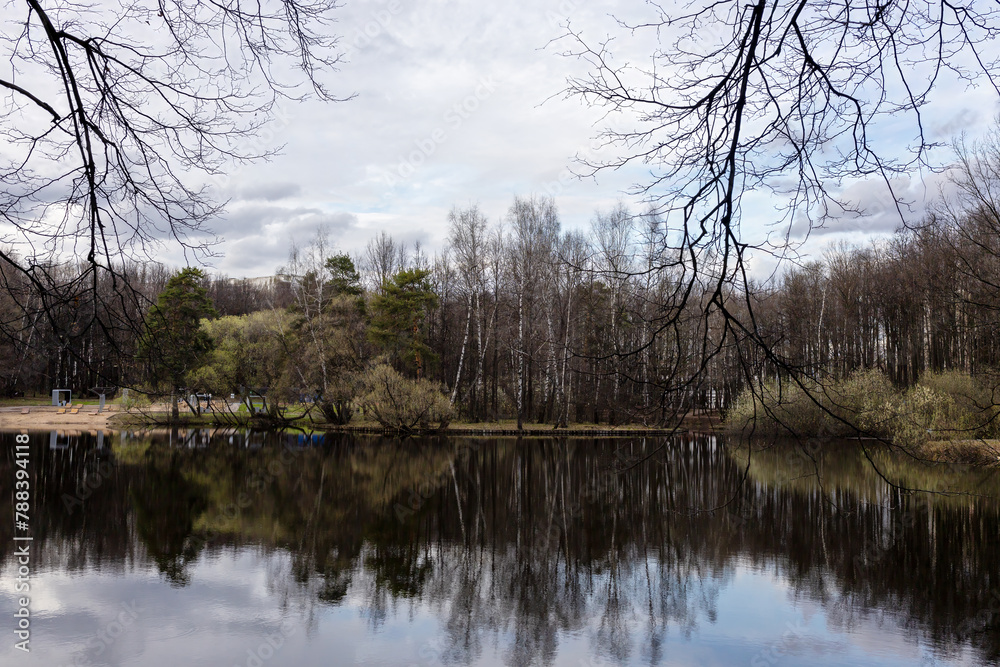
(461, 355)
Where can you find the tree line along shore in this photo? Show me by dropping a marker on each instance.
(516, 319)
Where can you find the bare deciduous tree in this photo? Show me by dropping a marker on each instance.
(534, 232)
(782, 96)
(384, 256)
(115, 115)
(467, 238)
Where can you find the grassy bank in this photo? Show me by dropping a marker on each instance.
(946, 416)
(501, 427)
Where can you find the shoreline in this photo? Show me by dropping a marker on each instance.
(43, 417)
(978, 453)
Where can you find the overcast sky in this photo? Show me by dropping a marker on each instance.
(456, 105)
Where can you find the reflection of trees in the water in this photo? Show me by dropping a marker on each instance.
(523, 603)
(541, 538)
(80, 505)
(926, 560)
(514, 542)
(166, 503)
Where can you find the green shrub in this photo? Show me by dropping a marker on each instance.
(942, 406)
(135, 400)
(338, 401)
(975, 397)
(863, 400)
(402, 404)
(786, 406)
(922, 414)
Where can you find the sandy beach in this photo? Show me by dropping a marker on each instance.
(44, 417)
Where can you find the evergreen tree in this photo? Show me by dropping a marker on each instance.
(174, 342)
(344, 276)
(399, 315)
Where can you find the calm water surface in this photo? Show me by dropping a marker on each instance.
(245, 550)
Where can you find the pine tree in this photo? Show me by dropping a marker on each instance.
(174, 342)
(399, 314)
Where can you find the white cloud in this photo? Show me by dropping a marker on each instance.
(401, 153)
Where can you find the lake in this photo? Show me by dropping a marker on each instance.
(250, 549)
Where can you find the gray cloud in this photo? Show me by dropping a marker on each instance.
(271, 220)
(872, 208)
(274, 191)
(410, 64)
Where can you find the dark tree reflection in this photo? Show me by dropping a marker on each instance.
(515, 545)
(166, 503)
